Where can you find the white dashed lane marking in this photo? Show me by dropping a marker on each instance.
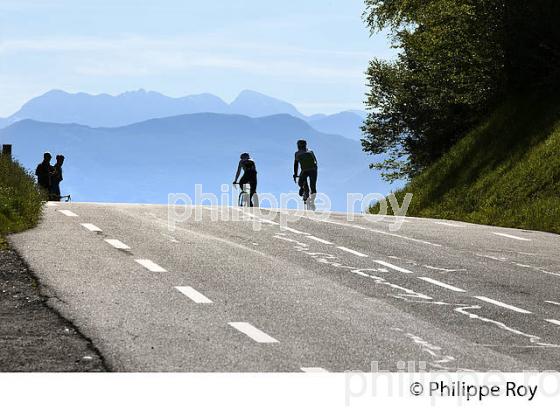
(257, 335)
(504, 305)
(553, 321)
(552, 302)
(443, 285)
(313, 370)
(115, 243)
(505, 235)
(391, 266)
(68, 213)
(353, 252)
(91, 227)
(193, 294)
(319, 240)
(151, 266)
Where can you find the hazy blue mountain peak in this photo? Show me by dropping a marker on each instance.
(255, 104)
(104, 110)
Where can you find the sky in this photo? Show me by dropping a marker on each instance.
(312, 53)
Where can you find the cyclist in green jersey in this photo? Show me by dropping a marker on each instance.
(306, 160)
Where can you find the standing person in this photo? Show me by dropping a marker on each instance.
(56, 178)
(306, 160)
(44, 171)
(249, 175)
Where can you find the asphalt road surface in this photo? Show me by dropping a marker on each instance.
(336, 295)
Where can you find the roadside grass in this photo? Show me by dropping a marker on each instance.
(506, 172)
(20, 199)
(3, 244)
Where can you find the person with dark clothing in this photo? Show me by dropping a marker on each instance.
(56, 178)
(44, 171)
(306, 160)
(249, 175)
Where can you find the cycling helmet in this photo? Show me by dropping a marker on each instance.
(302, 144)
(245, 155)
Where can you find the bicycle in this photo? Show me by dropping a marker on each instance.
(243, 200)
(66, 198)
(308, 203)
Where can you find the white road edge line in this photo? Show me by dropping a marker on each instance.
(151, 266)
(505, 235)
(450, 224)
(504, 305)
(91, 227)
(115, 243)
(552, 303)
(441, 284)
(389, 265)
(353, 252)
(68, 213)
(378, 231)
(553, 321)
(193, 294)
(257, 335)
(319, 240)
(313, 370)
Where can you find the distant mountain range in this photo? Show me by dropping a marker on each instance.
(146, 161)
(132, 107)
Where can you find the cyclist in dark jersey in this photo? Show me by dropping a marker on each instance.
(306, 160)
(249, 174)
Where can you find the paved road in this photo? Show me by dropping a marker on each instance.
(334, 295)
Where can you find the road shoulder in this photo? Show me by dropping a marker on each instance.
(33, 337)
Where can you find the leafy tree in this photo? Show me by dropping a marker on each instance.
(456, 59)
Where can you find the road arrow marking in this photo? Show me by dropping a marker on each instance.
(193, 295)
(443, 285)
(553, 321)
(504, 305)
(353, 252)
(257, 335)
(389, 265)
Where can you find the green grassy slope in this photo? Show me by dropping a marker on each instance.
(20, 199)
(506, 172)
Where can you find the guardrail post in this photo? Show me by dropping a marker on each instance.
(7, 150)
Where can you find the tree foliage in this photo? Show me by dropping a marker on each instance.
(456, 59)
